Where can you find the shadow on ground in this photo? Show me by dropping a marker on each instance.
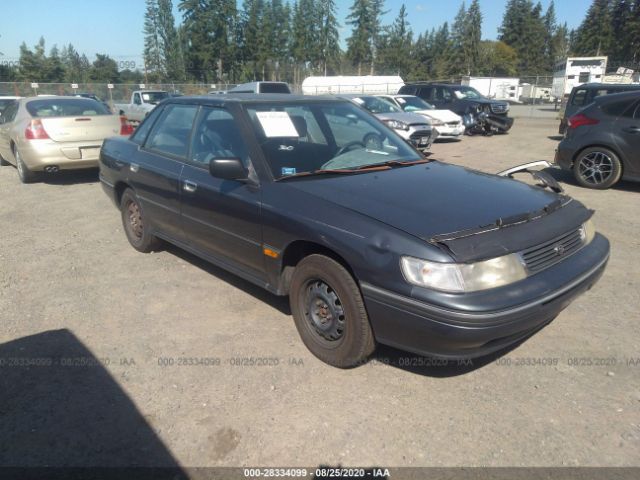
(60, 408)
(71, 177)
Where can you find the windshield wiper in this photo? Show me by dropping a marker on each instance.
(318, 172)
(393, 163)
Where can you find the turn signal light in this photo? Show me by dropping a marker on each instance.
(35, 131)
(581, 119)
(125, 127)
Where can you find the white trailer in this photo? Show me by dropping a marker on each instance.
(499, 88)
(530, 93)
(575, 71)
(368, 84)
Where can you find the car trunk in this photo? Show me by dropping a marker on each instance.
(81, 129)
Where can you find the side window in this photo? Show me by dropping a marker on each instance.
(9, 112)
(143, 129)
(136, 99)
(579, 97)
(171, 132)
(426, 93)
(217, 136)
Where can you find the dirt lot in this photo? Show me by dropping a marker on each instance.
(73, 290)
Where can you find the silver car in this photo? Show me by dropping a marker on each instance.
(55, 133)
(414, 128)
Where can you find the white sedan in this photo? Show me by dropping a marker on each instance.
(448, 124)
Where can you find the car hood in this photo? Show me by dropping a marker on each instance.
(408, 118)
(442, 115)
(427, 200)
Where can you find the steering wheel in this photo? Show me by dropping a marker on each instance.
(349, 146)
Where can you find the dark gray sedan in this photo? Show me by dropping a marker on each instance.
(602, 141)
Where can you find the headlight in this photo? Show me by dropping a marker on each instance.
(396, 124)
(587, 232)
(463, 277)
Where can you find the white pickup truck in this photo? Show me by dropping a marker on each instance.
(142, 102)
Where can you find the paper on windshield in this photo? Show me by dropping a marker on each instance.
(277, 124)
(146, 97)
(458, 94)
(401, 100)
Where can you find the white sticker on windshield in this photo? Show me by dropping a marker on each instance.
(359, 101)
(145, 96)
(458, 94)
(401, 100)
(277, 124)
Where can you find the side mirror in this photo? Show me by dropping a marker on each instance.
(227, 169)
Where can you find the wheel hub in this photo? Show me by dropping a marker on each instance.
(135, 219)
(596, 167)
(324, 311)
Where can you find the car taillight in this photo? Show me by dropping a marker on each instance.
(35, 131)
(125, 127)
(580, 120)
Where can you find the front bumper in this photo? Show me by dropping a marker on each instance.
(426, 329)
(450, 131)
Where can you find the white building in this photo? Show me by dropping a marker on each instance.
(366, 84)
(575, 71)
(495, 87)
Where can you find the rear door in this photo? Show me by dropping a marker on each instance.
(6, 123)
(627, 137)
(221, 218)
(155, 171)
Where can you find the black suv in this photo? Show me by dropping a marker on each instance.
(457, 98)
(372, 245)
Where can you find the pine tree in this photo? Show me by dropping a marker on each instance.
(474, 36)
(329, 35)
(359, 44)
(396, 45)
(152, 42)
(594, 35)
(170, 48)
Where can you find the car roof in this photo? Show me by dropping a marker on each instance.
(252, 98)
(616, 97)
(610, 86)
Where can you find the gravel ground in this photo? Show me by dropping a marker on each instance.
(129, 334)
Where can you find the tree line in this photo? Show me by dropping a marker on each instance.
(217, 41)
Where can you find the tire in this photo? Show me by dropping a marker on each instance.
(136, 229)
(24, 174)
(597, 167)
(338, 331)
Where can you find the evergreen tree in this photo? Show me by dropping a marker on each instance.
(594, 35)
(154, 65)
(170, 48)
(359, 44)
(104, 70)
(395, 52)
(474, 36)
(54, 69)
(523, 29)
(329, 36)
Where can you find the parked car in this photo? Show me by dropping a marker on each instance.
(448, 124)
(371, 246)
(142, 102)
(584, 94)
(414, 128)
(602, 141)
(261, 87)
(55, 133)
(460, 99)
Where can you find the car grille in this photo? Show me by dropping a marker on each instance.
(453, 124)
(498, 108)
(418, 135)
(549, 253)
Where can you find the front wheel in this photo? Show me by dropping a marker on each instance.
(598, 168)
(136, 226)
(329, 312)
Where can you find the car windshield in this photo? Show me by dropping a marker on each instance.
(466, 92)
(413, 104)
(154, 97)
(66, 107)
(302, 138)
(376, 105)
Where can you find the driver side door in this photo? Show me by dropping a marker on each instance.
(221, 218)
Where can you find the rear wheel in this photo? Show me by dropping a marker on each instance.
(24, 174)
(597, 167)
(135, 224)
(329, 312)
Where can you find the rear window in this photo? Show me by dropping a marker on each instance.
(618, 108)
(66, 107)
(274, 88)
(579, 97)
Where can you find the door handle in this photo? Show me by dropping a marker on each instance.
(190, 187)
(134, 167)
(632, 129)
